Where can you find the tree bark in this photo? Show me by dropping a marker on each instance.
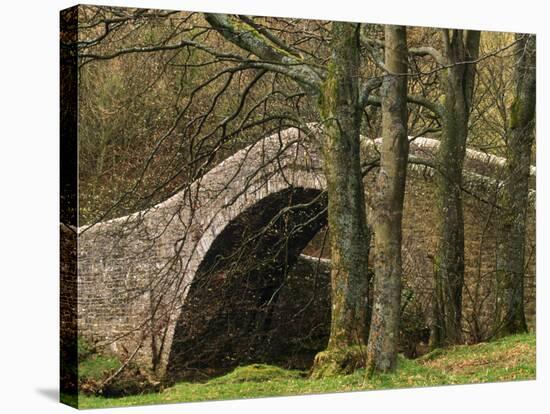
(349, 236)
(388, 208)
(459, 47)
(510, 315)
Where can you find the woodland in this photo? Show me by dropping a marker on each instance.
(420, 250)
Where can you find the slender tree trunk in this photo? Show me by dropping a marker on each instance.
(511, 249)
(458, 81)
(349, 237)
(390, 191)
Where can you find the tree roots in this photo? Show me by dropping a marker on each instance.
(338, 361)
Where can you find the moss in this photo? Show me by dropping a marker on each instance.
(515, 114)
(327, 97)
(339, 361)
(257, 373)
(244, 27)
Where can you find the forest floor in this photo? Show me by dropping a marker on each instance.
(507, 359)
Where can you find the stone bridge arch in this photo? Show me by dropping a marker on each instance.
(231, 310)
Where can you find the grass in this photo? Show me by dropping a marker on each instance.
(510, 358)
(257, 373)
(96, 366)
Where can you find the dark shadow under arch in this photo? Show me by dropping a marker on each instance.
(252, 300)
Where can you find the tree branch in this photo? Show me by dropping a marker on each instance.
(434, 107)
(256, 43)
(272, 38)
(366, 90)
(428, 51)
(415, 51)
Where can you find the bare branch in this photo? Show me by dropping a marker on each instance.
(256, 43)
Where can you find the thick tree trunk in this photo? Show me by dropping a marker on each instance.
(349, 237)
(449, 261)
(511, 249)
(390, 191)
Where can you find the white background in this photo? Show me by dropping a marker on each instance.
(29, 205)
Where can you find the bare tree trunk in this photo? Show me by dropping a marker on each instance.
(390, 191)
(460, 47)
(511, 249)
(349, 239)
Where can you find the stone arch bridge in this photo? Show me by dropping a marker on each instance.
(135, 272)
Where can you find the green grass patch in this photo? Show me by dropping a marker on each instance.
(96, 367)
(257, 373)
(511, 358)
